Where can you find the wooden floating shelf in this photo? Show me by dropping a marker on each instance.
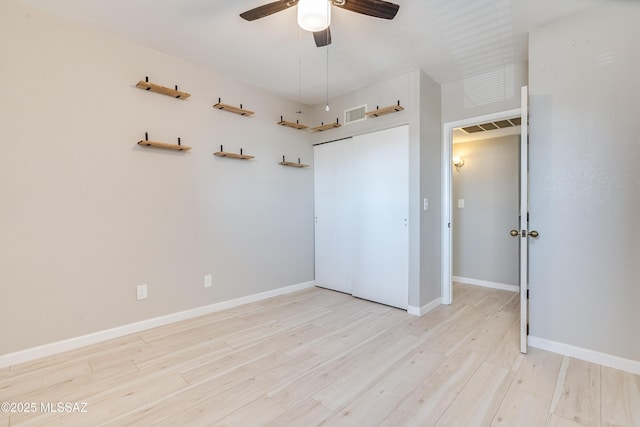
(164, 145)
(174, 93)
(233, 155)
(325, 127)
(293, 125)
(232, 109)
(293, 164)
(386, 110)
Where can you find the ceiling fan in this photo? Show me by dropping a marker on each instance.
(315, 15)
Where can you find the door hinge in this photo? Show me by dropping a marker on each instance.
(527, 329)
(449, 225)
(527, 293)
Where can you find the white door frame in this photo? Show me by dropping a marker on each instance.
(524, 219)
(447, 149)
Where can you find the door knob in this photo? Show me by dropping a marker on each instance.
(534, 234)
(514, 233)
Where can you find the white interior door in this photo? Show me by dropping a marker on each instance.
(524, 220)
(380, 216)
(333, 214)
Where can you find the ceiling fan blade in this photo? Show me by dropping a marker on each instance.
(322, 38)
(377, 8)
(267, 9)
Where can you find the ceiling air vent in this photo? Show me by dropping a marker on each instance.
(355, 114)
(501, 124)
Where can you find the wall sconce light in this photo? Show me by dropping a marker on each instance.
(458, 162)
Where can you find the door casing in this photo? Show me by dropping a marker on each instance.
(447, 166)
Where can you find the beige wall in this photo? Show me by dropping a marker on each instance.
(86, 214)
(431, 225)
(585, 181)
(485, 94)
(488, 185)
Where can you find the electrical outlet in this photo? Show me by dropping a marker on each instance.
(141, 292)
(208, 281)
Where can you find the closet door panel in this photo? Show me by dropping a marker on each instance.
(333, 215)
(380, 216)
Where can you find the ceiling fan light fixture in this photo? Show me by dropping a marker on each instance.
(314, 15)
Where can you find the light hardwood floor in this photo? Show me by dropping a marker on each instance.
(319, 357)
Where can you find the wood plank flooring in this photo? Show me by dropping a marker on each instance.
(319, 357)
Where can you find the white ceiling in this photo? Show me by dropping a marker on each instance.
(448, 39)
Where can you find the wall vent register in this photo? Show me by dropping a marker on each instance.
(356, 114)
(500, 124)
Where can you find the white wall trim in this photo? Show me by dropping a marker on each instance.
(486, 284)
(420, 311)
(628, 365)
(100, 336)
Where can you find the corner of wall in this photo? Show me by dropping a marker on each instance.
(430, 189)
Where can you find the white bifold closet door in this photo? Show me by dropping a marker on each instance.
(380, 217)
(362, 203)
(333, 212)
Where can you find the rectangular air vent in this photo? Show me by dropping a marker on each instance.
(355, 114)
(501, 124)
(472, 129)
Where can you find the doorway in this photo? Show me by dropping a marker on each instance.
(447, 192)
(521, 233)
(485, 204)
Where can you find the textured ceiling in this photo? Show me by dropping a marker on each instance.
(450, 40)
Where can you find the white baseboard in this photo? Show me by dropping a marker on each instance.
(628, 365)
(420, 311)
(486, 284)
(100, 336)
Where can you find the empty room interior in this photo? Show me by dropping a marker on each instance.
(319, 212)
